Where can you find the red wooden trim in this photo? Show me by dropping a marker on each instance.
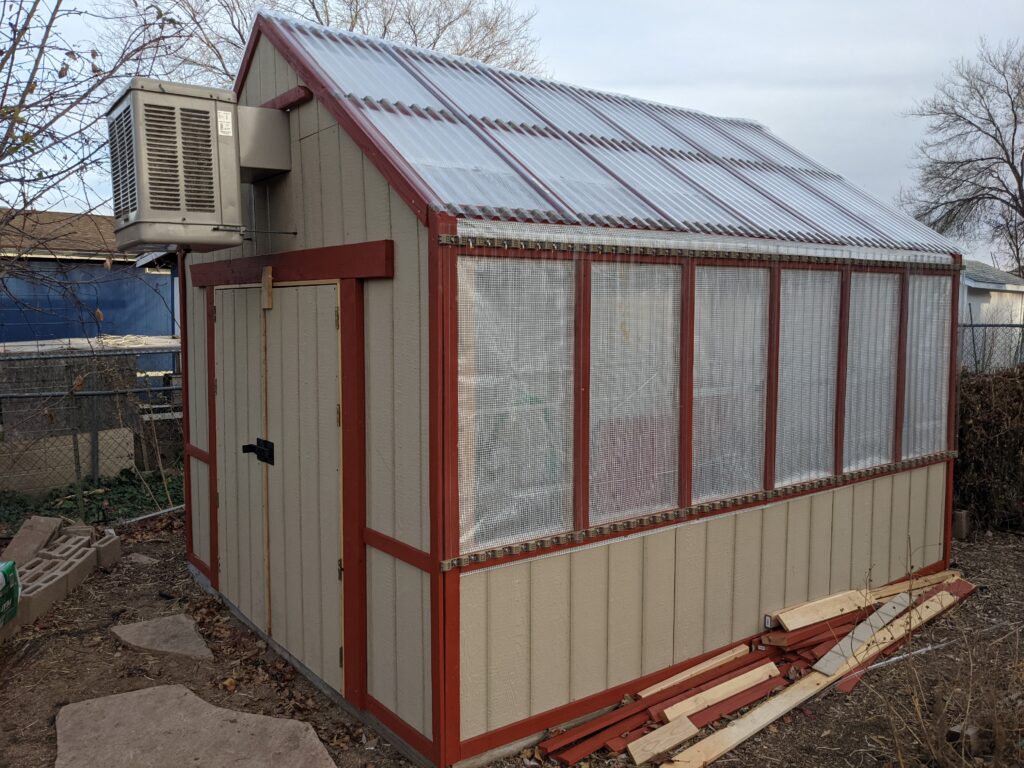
(293, 97)
(901, 367)
(443, 466)
(842, 353)
(771, 411)
(211, 440)
(954, 364)
(687, 300)
(400, 728)
(353, 474)
(721, 507)
(451, 663)
(951, 418)
(581, 399)
(333, 262)
(399, 550)
(197, 453)
(183, 357)
(409, 185)
(199, 565)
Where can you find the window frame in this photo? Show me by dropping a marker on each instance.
(582, 530)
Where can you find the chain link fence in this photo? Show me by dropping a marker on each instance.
(92, 429)
(988, 347)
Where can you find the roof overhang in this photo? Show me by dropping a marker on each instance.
(983, 285)
(558, 234)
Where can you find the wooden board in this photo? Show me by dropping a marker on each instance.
(819, 610)
(661, 740)
(704, 666)
(913, 583)
(719, 743)
(722, 691)
(862, 633)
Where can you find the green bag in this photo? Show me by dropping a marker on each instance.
(10, 591)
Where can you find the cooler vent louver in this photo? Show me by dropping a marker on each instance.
(197, 160)
(161, 126)
(122, 165)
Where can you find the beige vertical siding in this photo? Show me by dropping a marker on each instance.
(304, 485)
(239, 421)
(334, 195)
(398, 638)
(537, 634)
(199, 489)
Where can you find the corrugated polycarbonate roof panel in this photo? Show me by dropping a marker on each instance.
(457, 165)
(585, 156)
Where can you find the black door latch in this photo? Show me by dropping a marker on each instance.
(264, 450)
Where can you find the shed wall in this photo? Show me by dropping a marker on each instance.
(542, 633)
(334, 195)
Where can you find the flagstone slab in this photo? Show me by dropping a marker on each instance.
(169, 727)
(168, 634)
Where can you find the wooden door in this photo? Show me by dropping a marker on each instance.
(304, 484)
(278, 382)
(239, 394)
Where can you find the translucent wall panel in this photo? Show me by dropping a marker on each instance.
(927, 386)
(808, 362)
(634, 390)
(515, 382)
(729, 368)
(871, 369)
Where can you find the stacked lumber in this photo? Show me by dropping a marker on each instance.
(806, 649)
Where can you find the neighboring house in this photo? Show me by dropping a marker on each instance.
(990, 301)
(79, 271)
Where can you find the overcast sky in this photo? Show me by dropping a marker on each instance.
(832, 78)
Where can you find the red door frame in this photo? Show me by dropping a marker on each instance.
(349, 265)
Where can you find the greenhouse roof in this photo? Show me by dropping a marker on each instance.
(487, 144)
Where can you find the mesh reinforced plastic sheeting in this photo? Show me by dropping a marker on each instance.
(871, 369)
(515, 382)
(927, 392)
(729, 370)
(634, 390)
(808, 352)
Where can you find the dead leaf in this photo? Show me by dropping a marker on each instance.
(229, 684)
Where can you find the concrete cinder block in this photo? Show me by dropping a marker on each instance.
(36, 569)
(79, 566)
(40, 596)
(65, 547)
(108, 549)
(84, 531)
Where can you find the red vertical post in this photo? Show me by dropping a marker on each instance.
(211, 446)
(842, 353)
(951, 418)
(686, 303)
(772, 387)
(186, 437)
(581, 399)
(901, 367)
(353, 475)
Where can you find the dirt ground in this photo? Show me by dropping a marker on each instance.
(70, 655)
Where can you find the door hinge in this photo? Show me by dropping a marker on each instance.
(213, 313)
(216, 499)
(337, 318)
(341, 568)
(341, 657)
(337, 409)
(214, 387)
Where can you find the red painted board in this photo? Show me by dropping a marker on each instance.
(737, 702)
(589, 746)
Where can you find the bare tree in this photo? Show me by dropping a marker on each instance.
(216, 31)
(54, 86)
(971, 162)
